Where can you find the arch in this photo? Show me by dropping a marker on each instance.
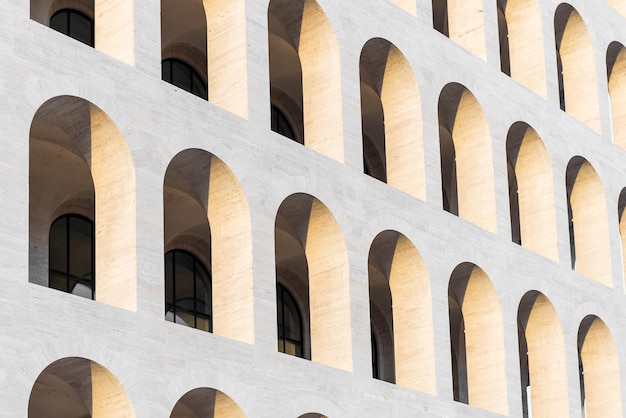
(312, 415)
(589, 234)
(601, 393)
(531, 190)
(206, 402)
(75, 387)
(114, 23)
(391, 116)
(466, 25)
(477, 340)
(304, 66)
(400, 297)
(309, 243)
(79, 163)
(542, 358)
(525, 42)
(466, 157)
(206, 212)
(210, 36)
(616, 73)
(578, 80)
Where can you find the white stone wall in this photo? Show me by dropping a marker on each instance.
(157, 361)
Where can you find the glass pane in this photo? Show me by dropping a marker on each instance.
(183, 285)
(59, 22)
(181, 75)
(169, 282)
(80, 249)
(58, 281)
(81, 28)
(58, 246)
(166, 71)
(198, 86)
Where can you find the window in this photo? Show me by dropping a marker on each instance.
(74, 24)
(188, 298)
(182, 75)
(71, 262)
(375, 366)
(290, 339)
(281, 125)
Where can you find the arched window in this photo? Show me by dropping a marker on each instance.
(71, 262)
(74, 24)
(290, 338)
(182, 75)
(188, 298)
(281, 125)
(375, 363)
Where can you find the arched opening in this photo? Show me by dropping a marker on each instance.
(466, 158)
(503, 36)
(312, 261)
(74, 24)
(531, 191)
(600, 385)
(589, 233)
(391, 118)
(466, 25)
(305, 83)
(76, 387)
(205, 41)
(312, 415)
(525, 43)
(616, 73)
(401, 313)
(476, 340)
(543, 370)
(578, 79)
(206, 403)
(71, 256)
(206, 215)
(79, 164)
(106, 24)
(440, 16)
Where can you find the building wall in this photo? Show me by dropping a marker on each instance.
(156, 361)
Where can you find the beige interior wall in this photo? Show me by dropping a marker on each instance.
(603, 393)
(466, 25)
(115, 29)
(526, 50)
(486, 372)
(403, 131)
(113, 174)
(231, 255)
(321, 83)
(591, 230)
(412, 319)
(474, 165)
(579, 68)
(227, 55)
(536, 196)
(329, 287)
(109, 399)
(617, 92)
(546, 361)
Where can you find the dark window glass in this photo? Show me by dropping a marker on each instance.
(181, 75)
(375, 369)
(187, 291)
(280, 124)
(290, 338)
(74, 24)
(71, 256)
